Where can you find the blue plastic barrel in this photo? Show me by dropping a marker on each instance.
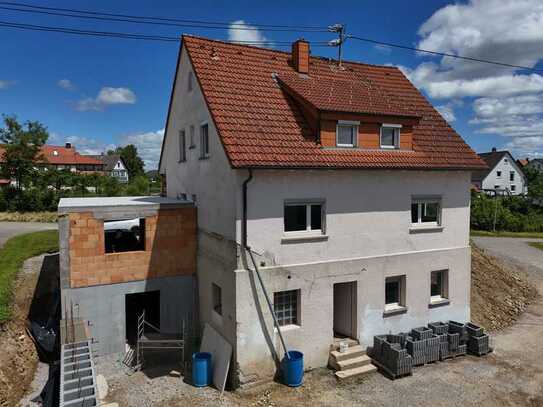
(202, 371)
(293, 368)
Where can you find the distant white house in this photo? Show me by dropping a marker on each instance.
(504, 176)
(114, 166)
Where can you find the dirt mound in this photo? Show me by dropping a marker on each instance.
(18, 358)
(499, 294)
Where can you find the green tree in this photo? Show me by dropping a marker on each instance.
(22, 144)
(534, 180)
(129, 154)
(138, 186)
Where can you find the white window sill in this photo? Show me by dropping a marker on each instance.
(394, 310)
(286, 328)
(438, 302)
(295, 237)
(425, 228)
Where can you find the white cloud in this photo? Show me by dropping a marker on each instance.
(447, 111)
(107, 96)
(148, 145)
(239, 31)
(66, 84)
(526, 146)
(512, 106)
(6, 84)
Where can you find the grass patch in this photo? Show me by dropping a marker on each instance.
(537, 245)
(28, 216)
(507, 234)
(13, 254)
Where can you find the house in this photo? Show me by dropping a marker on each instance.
(114, 166)
(504, 175)
(536, 163)
(349, 190)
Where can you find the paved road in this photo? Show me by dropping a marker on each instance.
(10, 229)
(516, 250)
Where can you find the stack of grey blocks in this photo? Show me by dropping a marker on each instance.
(390, 354)
(77, 376)
(478, 342)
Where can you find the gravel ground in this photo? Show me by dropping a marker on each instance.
(511, 376)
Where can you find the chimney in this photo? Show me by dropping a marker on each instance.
(68, 145)
(494, 149)
(300, 56)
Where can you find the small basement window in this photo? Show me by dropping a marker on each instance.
(390, 136)
(126, 235)
(304, 217)
(286, 306)
(439, 285)
(346, 133)
(394, 293)
(426, 212)
(217, 298)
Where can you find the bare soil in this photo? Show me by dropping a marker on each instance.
(499, 293)
(18, 358)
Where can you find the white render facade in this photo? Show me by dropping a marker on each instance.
(366, 238)
(506, 177)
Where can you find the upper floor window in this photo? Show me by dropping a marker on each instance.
(204, 141)
(190, 79)
(304, 216)
(513, 188)
(182, 146)
(390, 135)
(498, 174)
(512, 176)
(346, 133)
(505, 161)
(192, 143)
(426, 212)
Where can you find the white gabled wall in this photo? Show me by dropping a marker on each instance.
(211, 179)
(506, 165)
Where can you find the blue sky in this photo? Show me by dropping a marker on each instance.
(98, 93)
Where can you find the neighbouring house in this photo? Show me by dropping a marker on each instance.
(536, 163)
(114, 166)
(503, 176)
(343, 182)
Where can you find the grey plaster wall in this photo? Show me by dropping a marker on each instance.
(104, 307)
(257, 339)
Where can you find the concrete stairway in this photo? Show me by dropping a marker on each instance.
(353, 362)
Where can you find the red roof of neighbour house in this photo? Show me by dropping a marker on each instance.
(63, 156)
(262, 126)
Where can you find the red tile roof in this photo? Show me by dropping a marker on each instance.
(260, 125)
(63, 156)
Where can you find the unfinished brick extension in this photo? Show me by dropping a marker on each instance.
(170, 249)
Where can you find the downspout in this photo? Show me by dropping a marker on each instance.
(245, 248)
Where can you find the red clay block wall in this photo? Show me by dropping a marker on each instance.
(170, 249)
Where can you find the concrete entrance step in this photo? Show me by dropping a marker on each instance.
(352, 352)
(357, 371)
(351, 363)
(350, 342)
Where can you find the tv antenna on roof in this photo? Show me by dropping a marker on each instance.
(338, 42)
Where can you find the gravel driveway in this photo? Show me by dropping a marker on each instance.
(10, 229)
(511, 376)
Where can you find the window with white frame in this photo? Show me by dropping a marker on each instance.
(302, 216)
(394, 292)
(182, 146)
(346, 133)
(511, 175)
(513, 188)
(204, 141)
(390, 136)
(439, 285)
(498, 174)
(190, 81)
(286, 306)
(191, 137)
(426, 211)
(216, 293)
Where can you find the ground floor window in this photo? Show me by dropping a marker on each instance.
(439, 285)
(286, 306)
(217, 298)
(394, 292)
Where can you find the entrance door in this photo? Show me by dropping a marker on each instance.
(135, 304)
(345, 310)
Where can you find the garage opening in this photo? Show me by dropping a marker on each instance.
(135, 305)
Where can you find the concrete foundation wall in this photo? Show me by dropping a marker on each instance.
(104, 308)
(256, 337)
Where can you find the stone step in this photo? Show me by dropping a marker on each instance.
(352, 352)
(351, 363)
(357, 371)
(350, 343)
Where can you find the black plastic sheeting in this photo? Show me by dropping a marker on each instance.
(50, 394)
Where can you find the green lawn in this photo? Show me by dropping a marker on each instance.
(507, 234)
(13, 254)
